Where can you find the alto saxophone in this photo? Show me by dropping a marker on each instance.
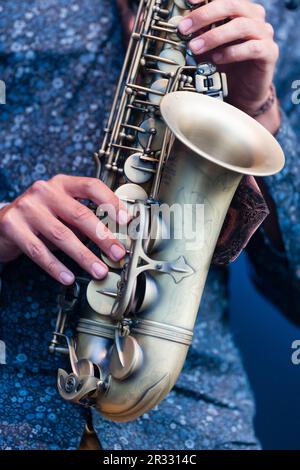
(170, 140)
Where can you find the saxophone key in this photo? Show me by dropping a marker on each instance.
(173, 24)
(173, 55)
(136, 170)
(101, 295)
(159, 234)
(147, 293)
(153, 135)
(130, 361)
(125, 240)
(160, 85)
(131, 193)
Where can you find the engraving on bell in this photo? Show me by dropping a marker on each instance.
(137, 170)
(132, 358)
(154, 127)
(101, 294)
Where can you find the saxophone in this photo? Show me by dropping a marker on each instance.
(170, 140)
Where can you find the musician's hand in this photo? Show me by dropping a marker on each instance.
(45, 213)
(244, 48)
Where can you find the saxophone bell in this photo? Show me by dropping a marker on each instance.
(221, 133)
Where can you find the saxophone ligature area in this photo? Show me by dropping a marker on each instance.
(170, 143)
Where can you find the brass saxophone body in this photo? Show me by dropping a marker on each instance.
(170, 141)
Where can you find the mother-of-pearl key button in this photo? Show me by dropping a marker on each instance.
(174, 21)
(131, 192)
(174, 55)
(137, 170)
(158, 126)
(161, 86)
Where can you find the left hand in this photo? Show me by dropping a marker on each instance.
(244, 47)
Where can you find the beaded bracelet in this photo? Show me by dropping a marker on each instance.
(268, 104)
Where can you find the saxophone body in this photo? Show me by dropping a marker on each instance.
(170, 142)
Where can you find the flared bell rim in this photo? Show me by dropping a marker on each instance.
(203, 106)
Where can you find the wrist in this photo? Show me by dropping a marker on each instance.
(271, 119)
(267, 111)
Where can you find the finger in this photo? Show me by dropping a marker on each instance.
(219, 10)
(96, 191)
(83, 219)
(36, 250)
(264, 50)
(64, 239)
(237, 29)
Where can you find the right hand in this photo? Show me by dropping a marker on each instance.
(44, 214)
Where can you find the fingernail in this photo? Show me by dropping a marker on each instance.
(217, 56)
(185, 25)
(123, 217)
(117, 252)
(67, 278)
(197, 45)
(99, 270)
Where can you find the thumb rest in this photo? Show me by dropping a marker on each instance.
(170, 139)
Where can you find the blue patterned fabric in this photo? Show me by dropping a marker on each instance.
(275, 273)
(60, 60)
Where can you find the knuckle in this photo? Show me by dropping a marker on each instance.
(85, 257)
(39, 187)
(52, 267)
(200, 15)
(7, 222)
(270, 29)
(276, 51)
(231, 53)
(233, 5)
(261, 11)
(104, 235)
(34, 250)
(92, 185)
(23, 204)
(244, 26)
(81, 213)
(59, 232)
(256, 48)
(212, 37)
(57, 179)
